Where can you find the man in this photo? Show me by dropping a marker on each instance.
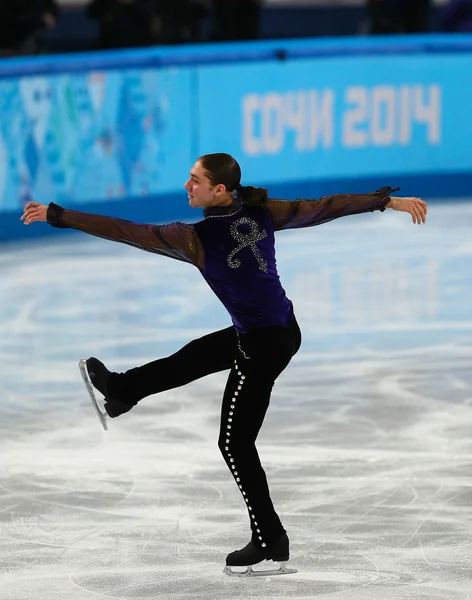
(234, 249)
(22, 22)
(124, 23)
(399, 16)
(457, 16)
(136, 23)
(236, 19)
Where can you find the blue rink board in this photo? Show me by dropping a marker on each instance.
(117, 132)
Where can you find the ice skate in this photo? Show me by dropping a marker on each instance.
(252, 555)
(93, 374)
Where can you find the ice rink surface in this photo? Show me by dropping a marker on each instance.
(367, 444)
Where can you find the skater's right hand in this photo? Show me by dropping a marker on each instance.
(34, 212)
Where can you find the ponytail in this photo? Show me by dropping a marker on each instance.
(223, 168)
(251, 196)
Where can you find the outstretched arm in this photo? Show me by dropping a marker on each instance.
(296, 214)
(176, 240)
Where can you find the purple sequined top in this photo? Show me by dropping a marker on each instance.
(240, 266)
(233, 246)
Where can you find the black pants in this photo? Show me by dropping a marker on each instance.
(255, 361)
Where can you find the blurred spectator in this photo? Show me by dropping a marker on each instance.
(236, 19)
(134, 23)
(22, 23)
(457, 16)
(178, 21)
(124, 23)
(399, 16)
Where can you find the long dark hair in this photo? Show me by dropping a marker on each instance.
(223, 168)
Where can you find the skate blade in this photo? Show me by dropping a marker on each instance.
(89, 387)
(250, 572)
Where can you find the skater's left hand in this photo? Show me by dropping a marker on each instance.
(34, 212)
(415, 206)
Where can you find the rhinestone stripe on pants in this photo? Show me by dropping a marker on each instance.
(263, 355)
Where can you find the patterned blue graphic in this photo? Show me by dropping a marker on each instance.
(93, 136)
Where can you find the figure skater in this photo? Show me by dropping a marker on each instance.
(234, 249)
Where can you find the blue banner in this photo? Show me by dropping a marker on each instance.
(340, 117)
(117, 132)
(94, 136)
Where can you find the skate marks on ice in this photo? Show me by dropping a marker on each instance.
(158, 522)
(366, 445)
(388, 457)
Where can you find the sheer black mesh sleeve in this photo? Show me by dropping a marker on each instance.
(176, 240)
(295, 214)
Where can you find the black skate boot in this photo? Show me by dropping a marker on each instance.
(96, 375)
(252, 555)
(99, 376)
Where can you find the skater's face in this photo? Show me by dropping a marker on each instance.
(202, 193)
